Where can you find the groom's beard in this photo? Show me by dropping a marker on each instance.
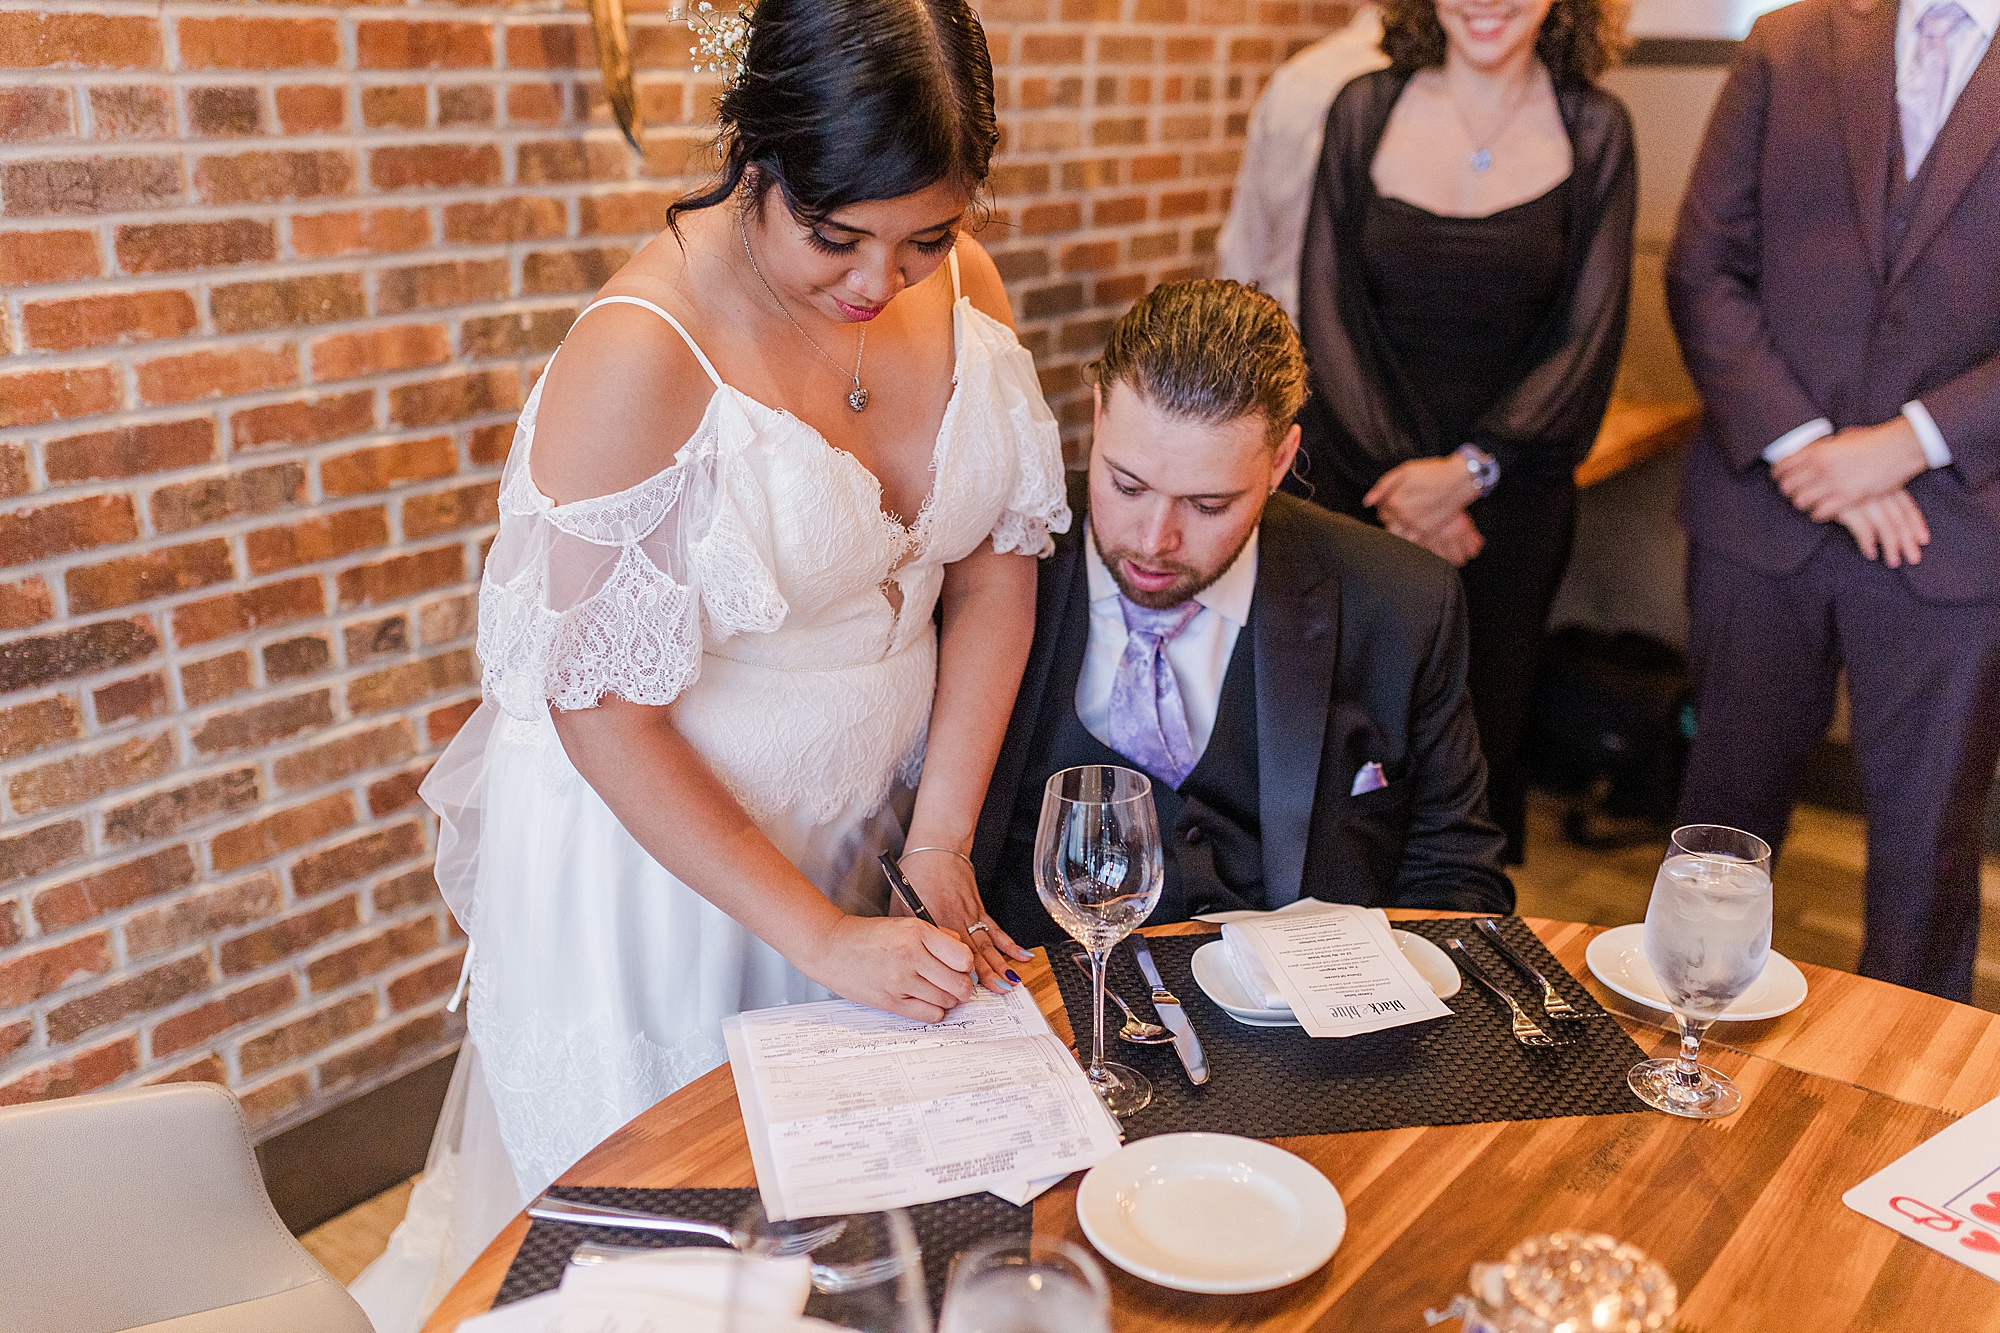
(1191, 582)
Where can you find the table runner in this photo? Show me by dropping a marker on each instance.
(1276, 1082)
(943, 1230)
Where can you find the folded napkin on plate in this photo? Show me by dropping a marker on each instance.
(1251, 974)
(685, 1290)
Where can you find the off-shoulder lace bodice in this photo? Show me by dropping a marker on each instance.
(746, 583)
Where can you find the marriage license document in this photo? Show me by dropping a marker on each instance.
(849, 1109)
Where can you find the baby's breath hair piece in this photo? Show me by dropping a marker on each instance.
(722, 40)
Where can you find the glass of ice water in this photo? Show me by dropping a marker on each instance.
(1099, 871)
(1708, 934)
(1026, 1285)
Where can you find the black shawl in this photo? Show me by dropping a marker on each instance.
(1362, 419)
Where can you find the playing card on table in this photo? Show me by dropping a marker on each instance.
(1944, 1193)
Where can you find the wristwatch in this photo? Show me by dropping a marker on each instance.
(1482, 466)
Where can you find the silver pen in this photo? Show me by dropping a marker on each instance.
(903, 889)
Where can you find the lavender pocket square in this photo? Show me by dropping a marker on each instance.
(1368, 778)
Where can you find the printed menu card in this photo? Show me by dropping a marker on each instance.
(1338, 969)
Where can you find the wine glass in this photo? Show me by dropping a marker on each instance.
(1098, 870)
(1708, 934)
(1026, 1285)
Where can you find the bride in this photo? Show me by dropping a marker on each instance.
(785, 435)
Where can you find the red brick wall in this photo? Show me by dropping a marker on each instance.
(273, 281)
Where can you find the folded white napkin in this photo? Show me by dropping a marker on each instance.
(1251, 974)
(709, 1276)
(683, 1290)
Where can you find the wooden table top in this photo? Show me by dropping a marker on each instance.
(1744, 1212)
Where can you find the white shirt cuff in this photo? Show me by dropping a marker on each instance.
(1794, 440)
(1936, 452)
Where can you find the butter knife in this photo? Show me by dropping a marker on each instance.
(1186, 1045)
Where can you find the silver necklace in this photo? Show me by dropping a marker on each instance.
(1482, 153)
(857, 398)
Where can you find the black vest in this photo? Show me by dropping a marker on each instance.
(1214, 855)
(1901, 204)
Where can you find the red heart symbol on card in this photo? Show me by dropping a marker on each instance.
(1990, 1210)
(1980, 1241)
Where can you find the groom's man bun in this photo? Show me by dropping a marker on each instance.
(1209, 350)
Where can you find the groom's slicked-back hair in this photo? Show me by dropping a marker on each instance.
(1208, 350)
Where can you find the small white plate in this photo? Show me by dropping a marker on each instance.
(1217, 979)
(1618, 959)
(1211, 1213)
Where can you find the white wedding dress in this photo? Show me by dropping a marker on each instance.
(747, 585)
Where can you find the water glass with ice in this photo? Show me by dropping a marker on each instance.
(1708, 934)
(1026, 1285)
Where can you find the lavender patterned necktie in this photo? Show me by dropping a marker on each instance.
(1921, 98)
(1148, 721)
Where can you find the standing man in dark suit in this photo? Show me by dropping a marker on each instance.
(1836, 286)
(1293, 681)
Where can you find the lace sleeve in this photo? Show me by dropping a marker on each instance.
(614, 595)
(1039, 503)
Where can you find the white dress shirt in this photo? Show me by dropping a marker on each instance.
(1967, 46)
(1199, 654)
(1266, 226)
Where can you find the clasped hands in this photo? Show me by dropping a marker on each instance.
(1856, 476)
(1423, 500)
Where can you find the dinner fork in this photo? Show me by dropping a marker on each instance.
(548, 1208)
(829, 1278)
(1525, 1030)
(1554, 1005)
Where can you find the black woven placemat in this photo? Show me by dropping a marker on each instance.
(943, 1229)
(1272, 1082)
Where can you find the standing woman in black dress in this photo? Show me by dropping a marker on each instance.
(1462, 296)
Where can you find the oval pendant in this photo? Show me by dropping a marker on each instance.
(858, 399)
(1481, 159)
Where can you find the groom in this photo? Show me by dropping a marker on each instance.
(1292, 681)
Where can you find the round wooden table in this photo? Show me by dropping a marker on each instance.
(1744, 1212)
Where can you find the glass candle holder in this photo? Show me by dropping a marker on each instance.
(1566, 1282)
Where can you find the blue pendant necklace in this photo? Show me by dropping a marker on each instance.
(1482, 153)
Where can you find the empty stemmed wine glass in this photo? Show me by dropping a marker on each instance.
(1098, 870)
(1708, 935)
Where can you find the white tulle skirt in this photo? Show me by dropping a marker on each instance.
(599, 983)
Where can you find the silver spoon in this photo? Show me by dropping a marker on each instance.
(1136, 1030)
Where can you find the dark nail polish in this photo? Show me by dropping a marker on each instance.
(1013, 976)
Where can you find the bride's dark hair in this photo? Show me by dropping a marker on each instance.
(846, 100)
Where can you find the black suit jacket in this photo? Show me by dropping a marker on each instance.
(1360, 643)
(1792, 302)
